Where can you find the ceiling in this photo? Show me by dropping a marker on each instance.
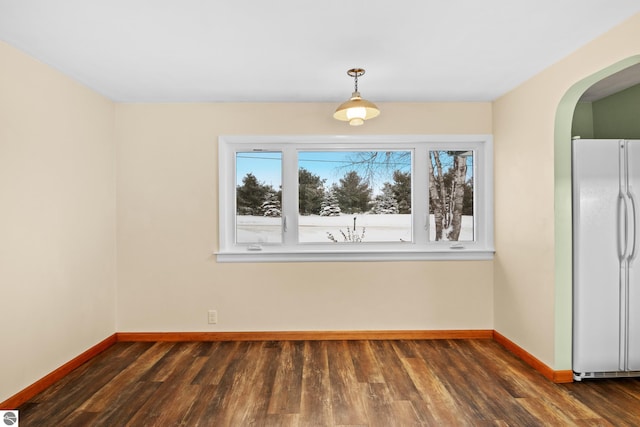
(300, 50)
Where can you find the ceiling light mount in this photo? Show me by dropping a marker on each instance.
(356, 110)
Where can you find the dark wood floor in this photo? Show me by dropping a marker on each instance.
(324, 383)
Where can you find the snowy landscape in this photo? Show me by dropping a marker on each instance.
(314, 228)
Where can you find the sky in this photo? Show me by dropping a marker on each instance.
(266, 166)
(329, 165)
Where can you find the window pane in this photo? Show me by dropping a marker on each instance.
(258, 197)
(354, 196)
(451, 195)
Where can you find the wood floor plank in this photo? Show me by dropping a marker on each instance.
(173, 358)
(215, 381)
(166, 406)
(395, 376)
(243, 389)
(467, 380)
(404, 411)
(220, 356)
(281, 420)
(443, 408)
(620, 396)
(204, 407)
(512, 375)
(542, 410)
(123, 407)
(286, 393)
(366, 366)
(77, 387)
(346, 398)
(230, 399)
(315, 399)
(80, 419)
(381, 411)
(132, 373)
(398, 380)
(260, 386)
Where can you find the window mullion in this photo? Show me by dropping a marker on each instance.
(420, 204)
(290, 195)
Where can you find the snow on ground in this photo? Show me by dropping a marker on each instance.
(314, 228)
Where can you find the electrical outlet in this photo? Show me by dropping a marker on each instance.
(213, 316)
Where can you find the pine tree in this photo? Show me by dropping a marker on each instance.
(310, 192)
(330, 205)
(272, 206)
(402, 191)
(250, 195)
(353, 193)
(386, 202)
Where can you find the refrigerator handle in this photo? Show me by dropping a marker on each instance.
(632, 232)
(622, 227)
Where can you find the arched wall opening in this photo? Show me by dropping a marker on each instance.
(562, 208)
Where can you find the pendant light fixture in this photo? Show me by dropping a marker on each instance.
(356, 110)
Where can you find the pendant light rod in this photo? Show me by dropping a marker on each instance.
(355, 73)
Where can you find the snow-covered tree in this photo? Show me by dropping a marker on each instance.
(250, 195)
(384, 205)
(386, 202)
(271, 206)
(330, 205)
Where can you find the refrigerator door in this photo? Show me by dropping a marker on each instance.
(633, 289)
(599, 243)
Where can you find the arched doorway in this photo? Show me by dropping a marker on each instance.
(562, 207)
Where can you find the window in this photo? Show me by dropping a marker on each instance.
(324, 198)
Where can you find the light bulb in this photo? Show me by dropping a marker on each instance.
(356, 113)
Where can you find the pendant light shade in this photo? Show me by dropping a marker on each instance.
(356, 110)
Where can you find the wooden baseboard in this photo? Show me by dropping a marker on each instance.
(555, 376)
(45, 382)
(18, 399)
(303, 335)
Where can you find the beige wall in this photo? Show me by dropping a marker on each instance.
(168, 276)
(532, 126)
(57, 220)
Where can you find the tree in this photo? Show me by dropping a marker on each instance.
(310, 192)
(386, 202)
(401, 188)
(353, 193)
(436, 192)
(459, 172)
(448, 192)
(330, 205)
(250, 196)
(272, 206)
(467, 205)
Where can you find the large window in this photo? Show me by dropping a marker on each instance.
(315, 198)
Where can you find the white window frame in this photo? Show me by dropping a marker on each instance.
(420, 249)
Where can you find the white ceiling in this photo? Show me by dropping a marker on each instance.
(300, 50)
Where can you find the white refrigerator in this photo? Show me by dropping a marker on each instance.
(606, 265)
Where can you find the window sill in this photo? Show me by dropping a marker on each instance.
(354, 256)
